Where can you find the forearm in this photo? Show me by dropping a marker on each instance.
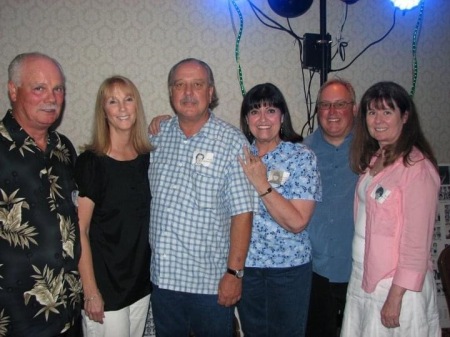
(292, 215)
(240, 232)
(230, 287)
(85, 265)
(86, 268)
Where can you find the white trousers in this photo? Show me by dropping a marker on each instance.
(126, 322)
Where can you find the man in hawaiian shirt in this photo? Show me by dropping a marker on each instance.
(40, 291)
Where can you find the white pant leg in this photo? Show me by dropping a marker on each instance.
(126, 322)
(138, 316)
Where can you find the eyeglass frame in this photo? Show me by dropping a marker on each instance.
(320, 105)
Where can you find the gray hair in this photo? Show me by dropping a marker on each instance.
(15, 67)
(170, 80)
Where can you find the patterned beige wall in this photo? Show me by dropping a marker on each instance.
(142, 39)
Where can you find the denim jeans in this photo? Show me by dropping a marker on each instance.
(275, 301)
(177, 313)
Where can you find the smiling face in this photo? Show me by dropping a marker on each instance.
(336, 123)
(265, 124)
(120, 108)
(37, 100)
(191, 93)
(385, 123)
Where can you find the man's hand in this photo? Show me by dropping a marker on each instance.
(230, 288)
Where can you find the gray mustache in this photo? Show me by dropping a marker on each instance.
(188, 100)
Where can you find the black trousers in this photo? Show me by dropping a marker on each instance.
(326, 307)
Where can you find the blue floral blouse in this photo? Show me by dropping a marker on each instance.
(292, 170)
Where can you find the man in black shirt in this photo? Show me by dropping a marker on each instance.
(40, 290)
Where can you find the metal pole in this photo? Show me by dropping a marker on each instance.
(323, 42)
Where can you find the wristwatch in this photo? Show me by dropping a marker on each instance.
(238, 273)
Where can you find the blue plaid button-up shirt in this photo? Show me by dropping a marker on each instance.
(197, 185)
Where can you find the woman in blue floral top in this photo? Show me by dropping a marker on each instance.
(277, 281)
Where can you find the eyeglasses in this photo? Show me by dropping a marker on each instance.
(339, 105)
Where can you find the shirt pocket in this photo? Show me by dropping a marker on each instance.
(206, 187)
(386, 216)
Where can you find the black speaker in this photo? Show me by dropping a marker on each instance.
(312, 51)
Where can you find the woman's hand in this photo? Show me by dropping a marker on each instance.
(94, 308)
(155, 125)
(390, 313)
(255, 170)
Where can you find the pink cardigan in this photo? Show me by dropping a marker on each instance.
(401, 204)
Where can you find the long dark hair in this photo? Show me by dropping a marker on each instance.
(267, 94)
(364, 146)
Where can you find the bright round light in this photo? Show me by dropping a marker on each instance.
(405, 4)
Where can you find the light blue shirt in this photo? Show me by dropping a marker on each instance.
(331, 227)
(292, 171)
(197, 185)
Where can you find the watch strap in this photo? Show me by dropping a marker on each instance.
(237, 273)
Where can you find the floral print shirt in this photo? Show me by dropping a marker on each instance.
(292, 170)
(40, 290)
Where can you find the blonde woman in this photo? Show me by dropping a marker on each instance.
(113, 209)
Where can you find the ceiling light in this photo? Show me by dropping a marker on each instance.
(405, 4)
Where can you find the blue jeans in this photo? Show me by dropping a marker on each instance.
(177, 313)
(275, 301)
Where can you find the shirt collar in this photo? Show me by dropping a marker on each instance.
(347, 138)
(206, 130)
(20, 137)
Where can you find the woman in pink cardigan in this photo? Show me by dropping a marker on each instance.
(391, 290)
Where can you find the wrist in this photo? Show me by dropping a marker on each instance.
(92, 296)
(265, 192)
(238, 273)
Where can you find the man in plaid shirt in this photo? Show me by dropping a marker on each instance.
(201, 211)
